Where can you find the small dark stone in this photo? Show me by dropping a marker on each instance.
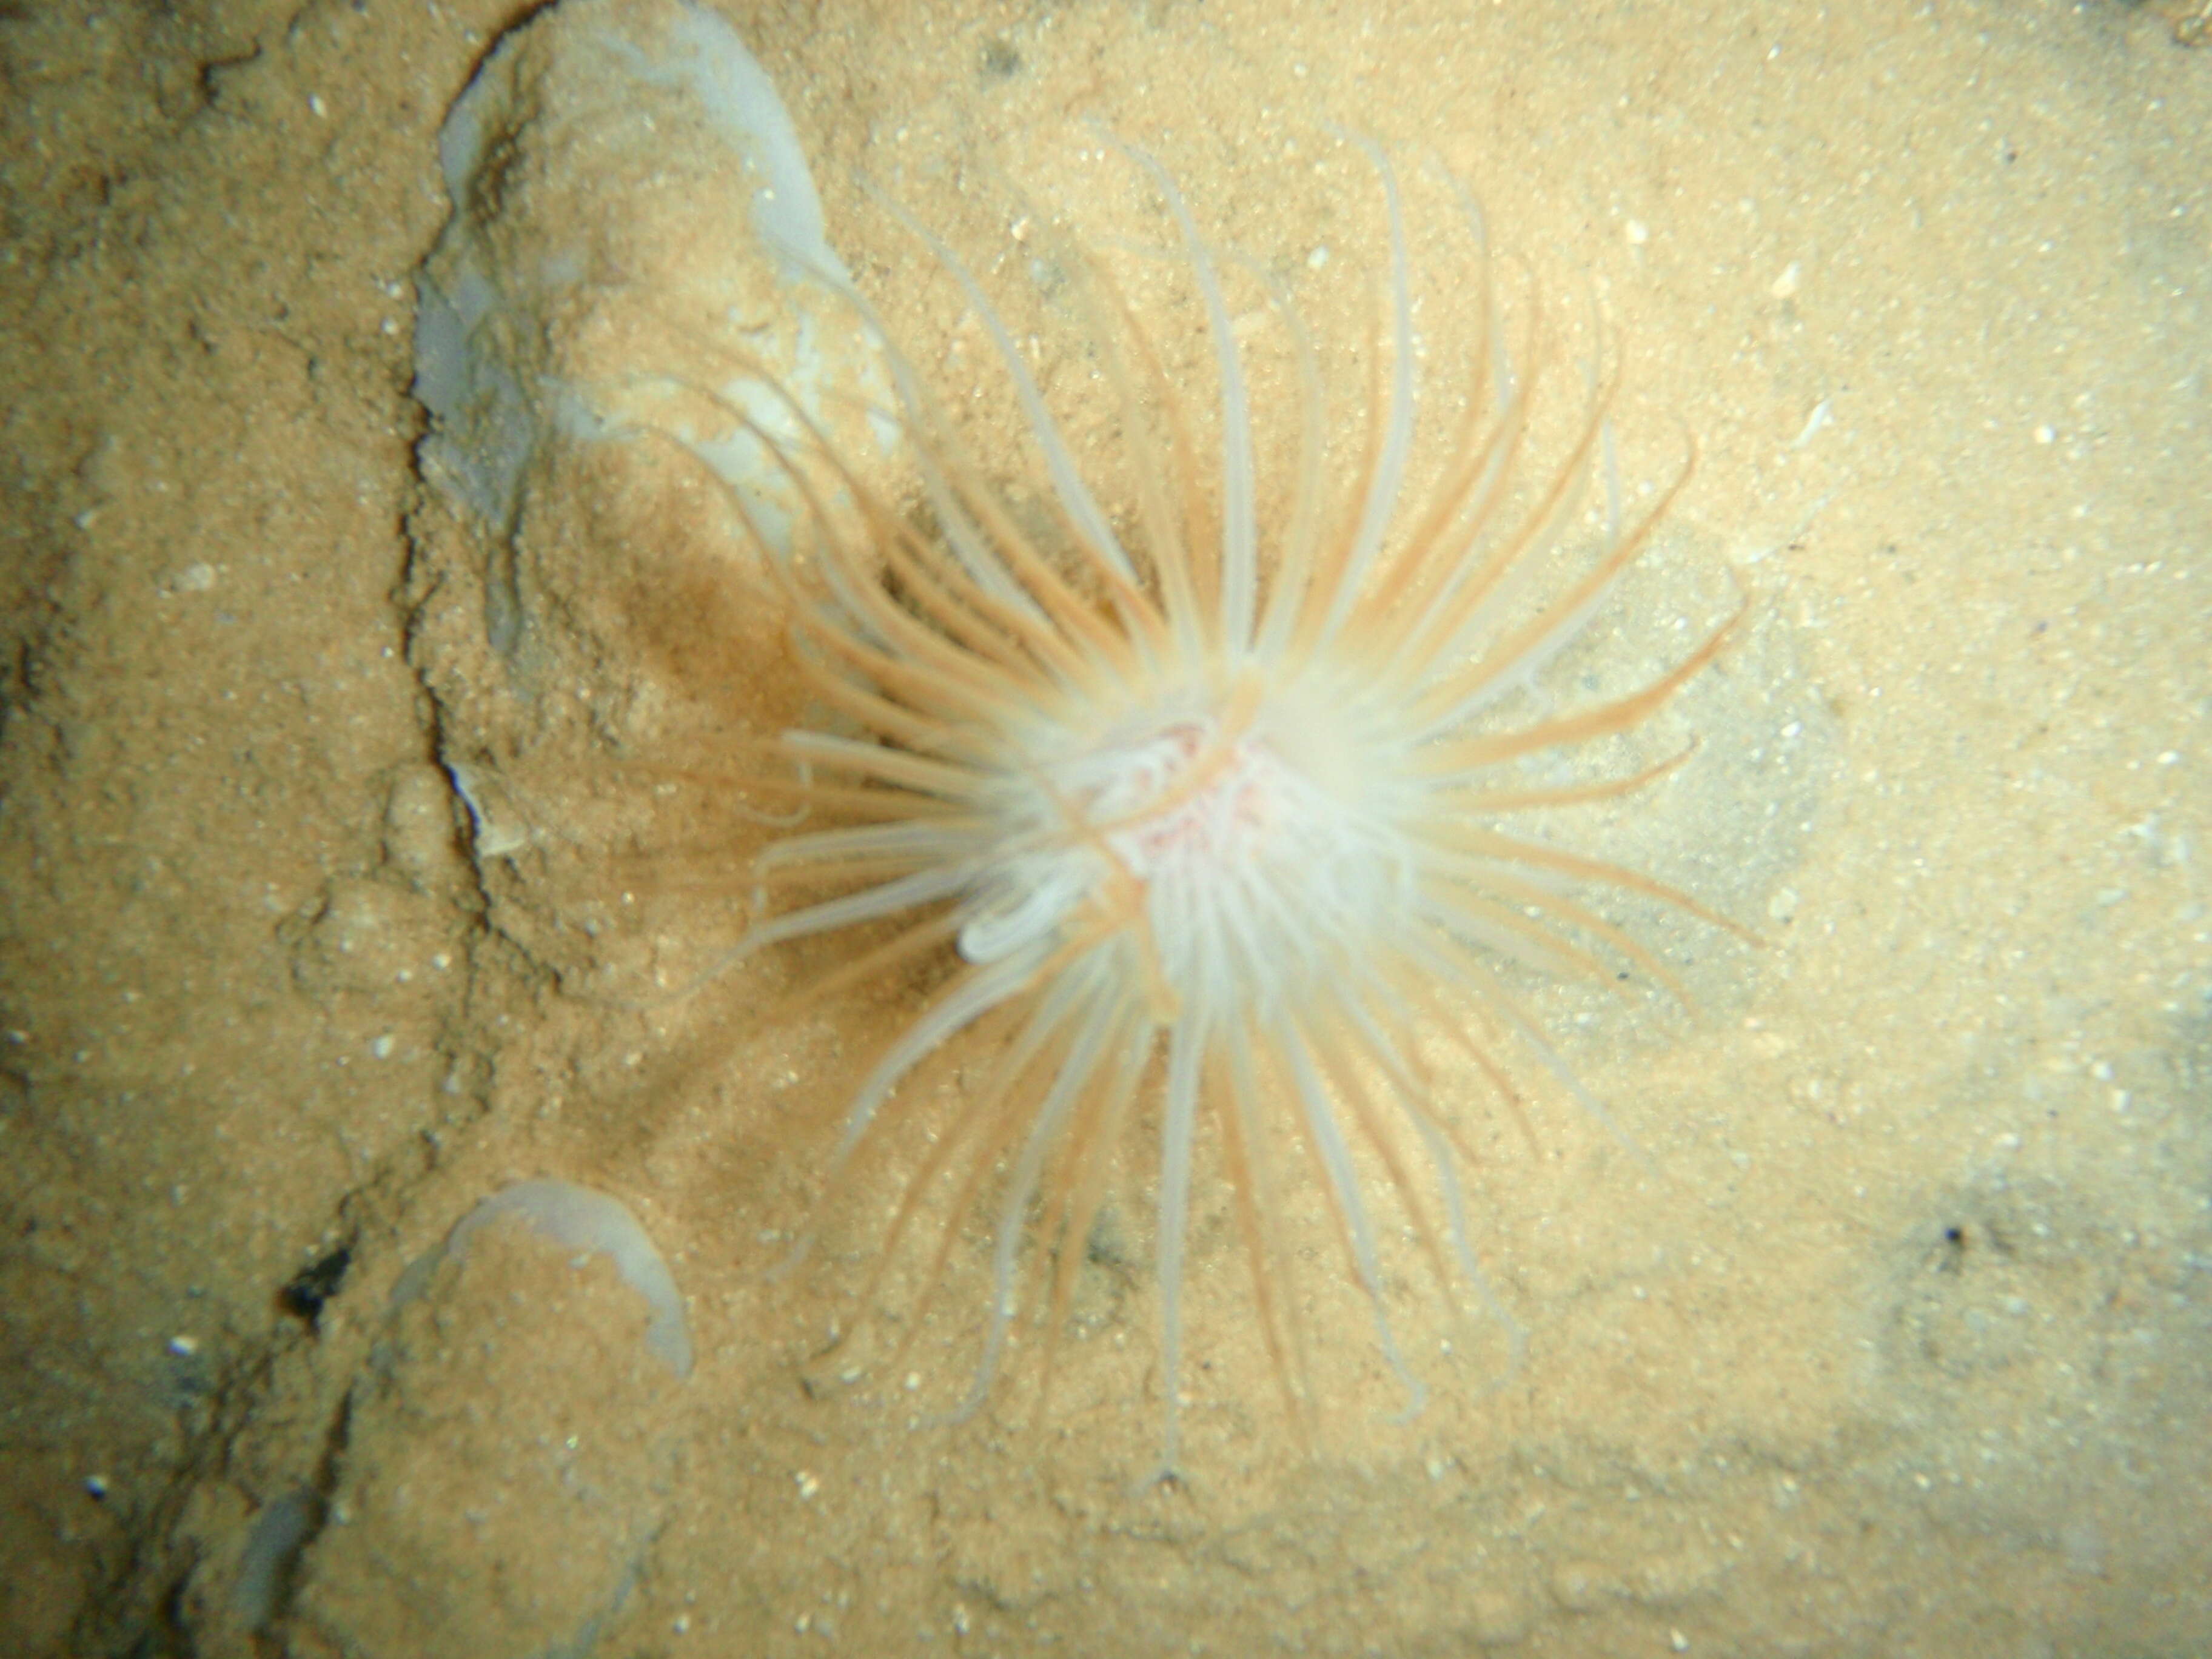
(311, 1286)
(1000, 60)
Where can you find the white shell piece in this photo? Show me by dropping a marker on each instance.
(635, 248)
(587, 1222)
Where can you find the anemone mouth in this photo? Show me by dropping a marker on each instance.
(1205, 807)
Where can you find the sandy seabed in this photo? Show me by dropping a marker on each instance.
(1900, 1344)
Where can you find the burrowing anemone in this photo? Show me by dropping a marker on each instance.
(1205, 796)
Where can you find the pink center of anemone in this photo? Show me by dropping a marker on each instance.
(1185, 800)
(1225, 848)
